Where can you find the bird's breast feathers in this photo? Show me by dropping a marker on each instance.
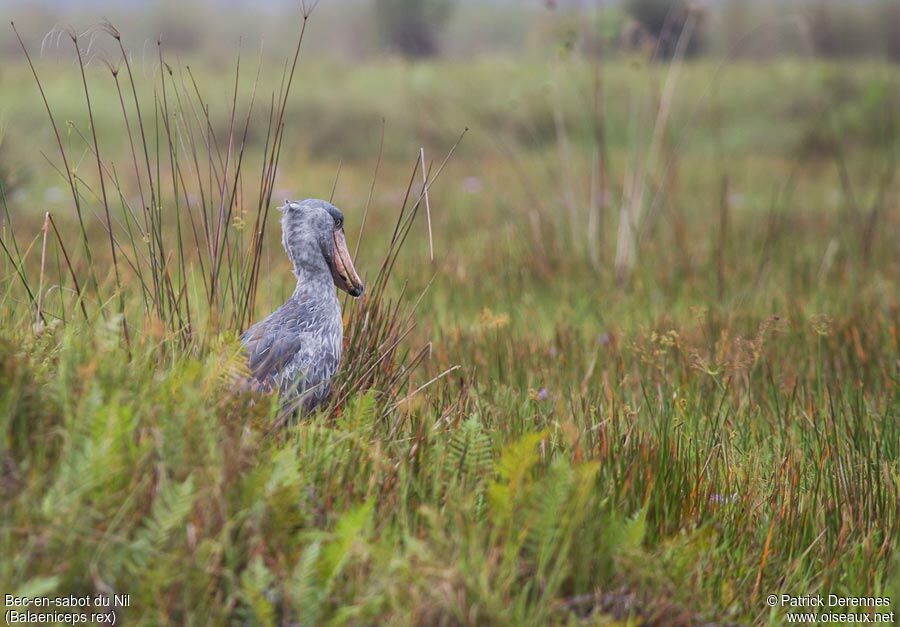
(297, 347)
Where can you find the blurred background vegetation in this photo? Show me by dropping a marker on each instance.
(494, 67)
(361, 29)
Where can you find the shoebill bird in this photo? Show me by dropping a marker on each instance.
(297, 349)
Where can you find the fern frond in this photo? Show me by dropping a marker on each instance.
(470, 453)
(256, 585)
(170, 510)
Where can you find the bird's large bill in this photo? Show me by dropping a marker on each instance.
(345, 277)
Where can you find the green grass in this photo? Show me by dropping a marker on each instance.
(721, 426)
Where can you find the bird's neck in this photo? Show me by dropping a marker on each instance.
(314, 280)
(314, 283)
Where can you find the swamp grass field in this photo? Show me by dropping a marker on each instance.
(650, 375)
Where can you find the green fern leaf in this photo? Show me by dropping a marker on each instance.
(513, 467)
(256, 582)
(469, 450)
(347, 534)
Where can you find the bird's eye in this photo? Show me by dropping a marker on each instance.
(339, 223)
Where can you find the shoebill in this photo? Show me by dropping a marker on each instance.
(297, 348)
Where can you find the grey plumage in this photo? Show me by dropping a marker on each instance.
(297, 348)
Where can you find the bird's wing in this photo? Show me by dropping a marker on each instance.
(277, 343)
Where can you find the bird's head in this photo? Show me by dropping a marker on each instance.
(313, 236)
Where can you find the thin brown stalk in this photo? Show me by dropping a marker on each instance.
(337, 176)
(362, 224)
(175, 170)
(427, 203)
(72, 274)
(40, 292)
(137, 175)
